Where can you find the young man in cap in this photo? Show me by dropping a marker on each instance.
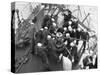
(41, 44)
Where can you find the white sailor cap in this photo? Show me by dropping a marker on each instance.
(69, 22)
(65, 28)
(74, 41)
(69, 28)
(74, 30)
(72, 44)
(67, 35)
(54, 24)
(48, 36)
(39, 44)
(66, 42)
(53, 19)
(49, 14)
(41, 29)
(45, 27)
(53, 38)
(42, 6)
(79, 29)
(85, 30)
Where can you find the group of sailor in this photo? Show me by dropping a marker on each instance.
(60, 42)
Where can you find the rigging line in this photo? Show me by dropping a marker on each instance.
(24, 7)
(79, 10)
(23, 10)
(83, 25)
(87, 22)
(34, 15)
(85, 17)
(39, 12)
(54, 10)
(50, 9)
(74, 10)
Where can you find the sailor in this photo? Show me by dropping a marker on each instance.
(68, 39)
(71, 32)
(40, 45)
(66, 24)
(74, 54)
(74, 33)
(78, 34)
(46, 20)
(65, 31)
(70, 23)
(39, 36)
(52, 50)
(53, 28)
(55, 45)
(74, 23)
(64, 53)
(67, 15)
(59, 38)
(87, 62)
(85, 38)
